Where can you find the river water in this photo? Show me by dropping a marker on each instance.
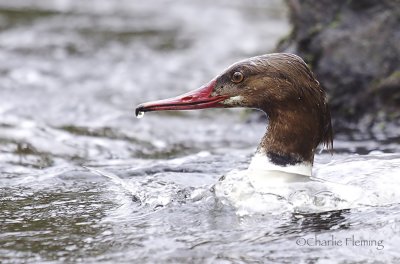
(83, 180)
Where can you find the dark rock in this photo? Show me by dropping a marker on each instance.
(353, 46)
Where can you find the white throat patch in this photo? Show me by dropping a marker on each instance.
(234, 100)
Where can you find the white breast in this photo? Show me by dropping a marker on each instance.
(263, 173)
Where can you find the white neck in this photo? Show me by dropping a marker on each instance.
(263, 172)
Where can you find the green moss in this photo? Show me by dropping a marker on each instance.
(25, 149)
(315, 29)
(287, 38)
(334, 24)
(11, 17)
(158, 39)
(29, 156)
(377, 84)
(395, 75)
(336, 20)
(177, 150)
(93, 132)
(103, 132)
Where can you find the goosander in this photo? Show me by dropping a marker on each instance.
(282, 86)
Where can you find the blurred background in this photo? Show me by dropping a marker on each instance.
(72, 72)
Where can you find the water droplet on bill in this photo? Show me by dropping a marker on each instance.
(140, 114)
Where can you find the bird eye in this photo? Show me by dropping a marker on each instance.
(237, 77)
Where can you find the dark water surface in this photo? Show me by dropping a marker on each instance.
(83, 180)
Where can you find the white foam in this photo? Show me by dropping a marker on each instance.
(359, 181)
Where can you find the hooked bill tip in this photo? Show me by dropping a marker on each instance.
(139, 110)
